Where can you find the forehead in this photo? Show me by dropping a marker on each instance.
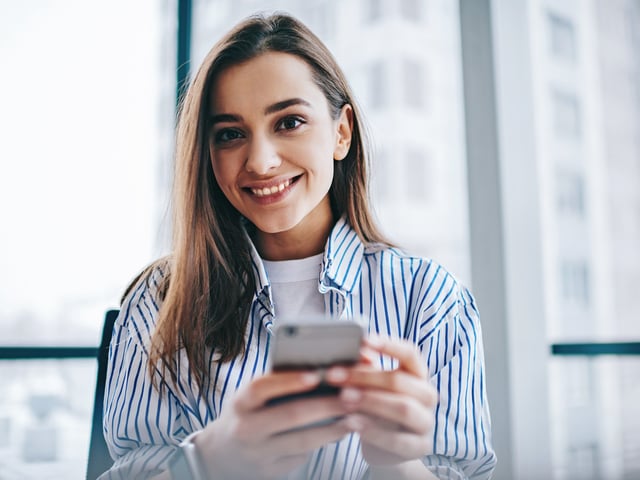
(268, 78)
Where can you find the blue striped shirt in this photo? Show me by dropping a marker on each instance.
(402, 296)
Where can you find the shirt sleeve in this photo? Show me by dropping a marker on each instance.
(450, 339)
(142, 423)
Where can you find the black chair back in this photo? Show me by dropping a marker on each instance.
(99, 459)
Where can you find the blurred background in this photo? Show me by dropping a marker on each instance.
(507, 147)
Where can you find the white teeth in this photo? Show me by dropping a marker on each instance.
(261, 192)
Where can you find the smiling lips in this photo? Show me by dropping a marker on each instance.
(266, 191)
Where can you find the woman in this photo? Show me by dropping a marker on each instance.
(272, 220)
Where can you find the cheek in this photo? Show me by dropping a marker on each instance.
(223, 171)
(317, 152)
(223, 179)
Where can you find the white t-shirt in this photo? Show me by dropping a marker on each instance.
(294, 287)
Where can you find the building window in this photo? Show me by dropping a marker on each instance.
(575, 282)
(373, 10)
(411, 10)
(381, 175)
(584, 460)
(320, 19)
(377, 85)
(563, 37)
(579, 384)
(417, 176)
(566, 115)
(570, 193)
(413, 84)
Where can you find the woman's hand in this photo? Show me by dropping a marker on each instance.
(253, 440)
(393, 410)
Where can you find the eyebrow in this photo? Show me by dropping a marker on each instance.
(276, 107)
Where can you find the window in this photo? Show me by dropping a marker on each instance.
(382, 185)
(579, 386)
(570, 193)
(575, 281)
(45, 411)
(631, 14)
(566, 115)
(373, 10)
(320, 18)
(417, 179)
(412, 9)
(584, 461)
(78, 204)
(631, 439)
(563, 41)
(377, 85)
(413, 84)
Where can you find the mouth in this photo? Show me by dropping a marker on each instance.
(273, 189)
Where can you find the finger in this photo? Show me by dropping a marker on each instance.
(407, 353)
(399, 411)
(406, 445)
(274, 385)
(306, 440)
(393, 380)
(368, 356)
(290, 415)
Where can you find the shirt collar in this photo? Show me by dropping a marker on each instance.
(259, 272)
(341, 263)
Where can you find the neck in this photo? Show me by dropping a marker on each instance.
(304, 240)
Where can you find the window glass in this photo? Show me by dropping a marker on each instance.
(79, 176)
(380, 175)
(81, 202)
(373, 10)
(45, 418)
(566, 114)
(412, 9)
(417, 178)
(413, 84)
(594, 418)
(587, 149)
(378, 91)
(563, 41)
(570, 193)
(575, 282)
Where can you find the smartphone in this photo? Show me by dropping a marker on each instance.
(314, 345)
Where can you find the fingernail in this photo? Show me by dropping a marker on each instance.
(351, 395)
(374, 340)
(337, 374)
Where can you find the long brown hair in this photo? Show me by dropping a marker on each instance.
(208, 291)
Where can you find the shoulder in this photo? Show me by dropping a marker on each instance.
(431, 285)
(419, 267)
(141, 303)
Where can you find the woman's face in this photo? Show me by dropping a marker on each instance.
(273, 143)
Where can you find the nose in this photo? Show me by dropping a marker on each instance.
(262, 156)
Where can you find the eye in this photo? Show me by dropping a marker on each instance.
(226, 135)
(289, 123)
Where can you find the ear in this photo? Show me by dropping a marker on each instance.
(344, 129)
